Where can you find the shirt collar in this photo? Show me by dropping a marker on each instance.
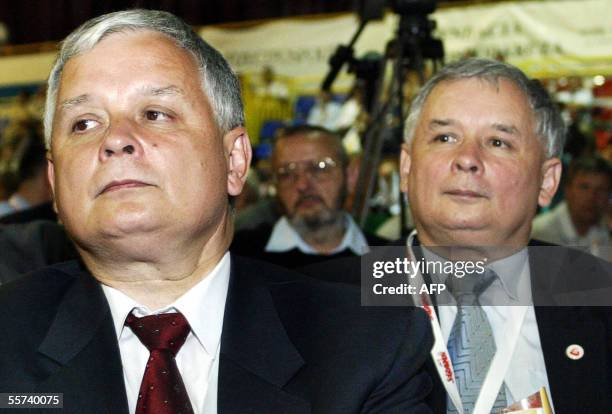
(203, 306)
(284, 238)
(567, 227)
(598, 231)
(18, 202)
(512, 271)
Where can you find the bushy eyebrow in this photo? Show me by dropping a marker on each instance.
(72, 102)
(437, 123)
(508, 129)
(170, 90)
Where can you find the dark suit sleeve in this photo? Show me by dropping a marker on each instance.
(406, 385)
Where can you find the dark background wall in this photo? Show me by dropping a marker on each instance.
(32, 21)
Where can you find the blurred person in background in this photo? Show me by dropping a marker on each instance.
(311, 172)
(30, 236)
(579, 220)
(271, 86)
(25, 167)
(326, 112)
(257, 207)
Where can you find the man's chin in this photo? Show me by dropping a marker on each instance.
(312, 220)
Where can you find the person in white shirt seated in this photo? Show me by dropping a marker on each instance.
(311, 172)
(326, 112)
(579, 220)
(26, 168)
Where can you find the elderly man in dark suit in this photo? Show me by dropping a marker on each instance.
(482, 151)
(144, 126)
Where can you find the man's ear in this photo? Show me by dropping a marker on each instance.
(404, 167)
(239, 152)
(351, 173)
(51, 178)
(551, 177)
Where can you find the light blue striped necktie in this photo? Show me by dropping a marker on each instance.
(471, 345)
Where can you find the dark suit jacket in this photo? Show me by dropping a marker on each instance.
(252, 242)
(25, 247)
(577, 386)
(40, 212)
(289, 345)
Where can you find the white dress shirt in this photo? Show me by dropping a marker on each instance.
(13, 204)
(556, 226)
(325, 115)
(526, 373)
(198, 359)
(284, 238)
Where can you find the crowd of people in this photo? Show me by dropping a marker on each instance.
(127, 287)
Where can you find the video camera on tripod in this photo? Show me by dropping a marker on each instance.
(408, 51)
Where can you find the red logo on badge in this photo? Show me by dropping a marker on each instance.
(574, 352)
(447, 368)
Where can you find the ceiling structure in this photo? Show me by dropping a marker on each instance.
(32, 21)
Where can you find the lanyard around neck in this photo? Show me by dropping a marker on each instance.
(439, 352)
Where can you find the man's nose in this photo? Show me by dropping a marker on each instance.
(119, 141)
(468, 158)
(303, 179)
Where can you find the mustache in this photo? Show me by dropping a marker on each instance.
(308, 197)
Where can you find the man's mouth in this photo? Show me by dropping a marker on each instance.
(465, 194)
(122, 185)
(308, 201)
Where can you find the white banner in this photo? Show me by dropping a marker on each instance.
(544, 38)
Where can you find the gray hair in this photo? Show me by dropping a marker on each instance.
(333, 140)
(218, 80)
(550, 127)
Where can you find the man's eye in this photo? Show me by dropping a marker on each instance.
(83, 125)
(499, 143)
(156, 115)
(444, 138)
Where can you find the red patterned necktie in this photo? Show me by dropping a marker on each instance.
(162, 390)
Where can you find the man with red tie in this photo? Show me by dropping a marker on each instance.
(144, 126)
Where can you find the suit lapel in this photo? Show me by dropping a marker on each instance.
(82, 354)
(257, 357)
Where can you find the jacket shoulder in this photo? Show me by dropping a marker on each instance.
(323, 317)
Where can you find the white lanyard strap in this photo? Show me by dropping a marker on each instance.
(499, 365)
(441, 358)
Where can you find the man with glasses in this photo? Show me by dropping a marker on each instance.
(311, 172)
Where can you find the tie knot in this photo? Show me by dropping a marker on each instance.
(468, 289)
(166, 331)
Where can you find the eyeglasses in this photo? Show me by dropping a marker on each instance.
(318, 170)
